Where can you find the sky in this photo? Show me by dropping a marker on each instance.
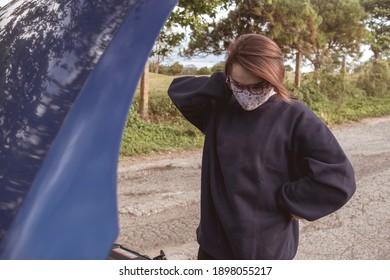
(207, 61)
(3, 2)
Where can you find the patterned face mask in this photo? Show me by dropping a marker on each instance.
(250, 101)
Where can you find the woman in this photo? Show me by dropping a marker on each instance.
(267, 160)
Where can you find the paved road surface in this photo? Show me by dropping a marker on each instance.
(159, 202)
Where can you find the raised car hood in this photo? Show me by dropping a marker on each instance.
(68, 73)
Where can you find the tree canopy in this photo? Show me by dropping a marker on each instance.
(378, 25)
(188, 15)
(318, 29)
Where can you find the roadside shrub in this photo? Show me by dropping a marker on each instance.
(162, 109)
(335, 86)
(318, 102)
(374, 78)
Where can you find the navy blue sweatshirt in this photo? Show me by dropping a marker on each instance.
(258, 168)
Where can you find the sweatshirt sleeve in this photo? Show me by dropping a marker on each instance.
(195, 96)
(326, 180)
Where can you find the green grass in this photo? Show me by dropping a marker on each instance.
(141, 137)
(352, 109)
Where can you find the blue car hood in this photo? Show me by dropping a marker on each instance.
(69, 70)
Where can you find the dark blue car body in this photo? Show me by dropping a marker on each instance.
(68, 73)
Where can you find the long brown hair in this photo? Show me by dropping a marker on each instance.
(260, 56)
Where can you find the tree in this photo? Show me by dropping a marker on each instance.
(190, 15)
(317, 30)
(187, 14)
(204, 71)
(374, 77)
(219, 67)
(175, 69)
(144, 93)
(247, 16)
(288, 68)
(163, 69)
(164, 45)
(378, 25)
(190, 70)
(341, 31)
(294, 26)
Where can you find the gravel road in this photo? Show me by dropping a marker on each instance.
(158, 200)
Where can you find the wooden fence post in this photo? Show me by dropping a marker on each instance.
(144, 93)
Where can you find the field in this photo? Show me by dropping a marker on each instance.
(158, 85)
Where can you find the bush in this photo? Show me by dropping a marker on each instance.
(190, 70)
(175, 69)
(204, 71)
(219, 67)
(162, 109)
(374, 78)
(335, 86)
(162, 69)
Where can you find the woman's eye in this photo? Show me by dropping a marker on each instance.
(257, 87)
(238, 85)
(260, 86)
